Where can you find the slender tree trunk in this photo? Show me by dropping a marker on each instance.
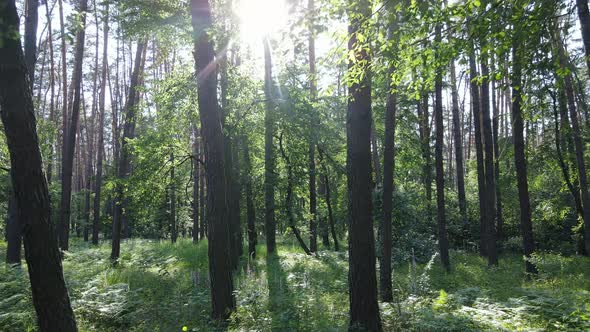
(457, 136)
(385, 282)
(375, 155)
(195, 175)
(31, 21)
(269, 152)
(578, 144)
(222, 298)
(443, 243)
(425, 146)
(313, 92)
(475, 105)
(289, 198)
(526, 224)
(70, 138)
(362, 279)
(52, 117)
(124, 164)
(50, 295)
(100, 143)
(495, 131)
(584, 16)
(488, 145)
(250, 211)
(173, 227)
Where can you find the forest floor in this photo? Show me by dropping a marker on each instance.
(163, 287)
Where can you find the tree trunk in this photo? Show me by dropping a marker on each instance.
(457, 136)
(173, 229)
(222, 298)
(313, 92)
(31, 20)
(584, 16)
(443, 243)
(362, 279)
(578, 143)
(269, 153)
(124, 164)
(50, 295)
(526, 224)
(488, 145)
(495, 131)
(195, 175)
(70, 138)
(425, 147)
(289, 198)
(13, 231)
(52, 117)
(100, 143)
(250, 211)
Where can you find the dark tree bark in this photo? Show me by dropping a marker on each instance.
(13, 231)
(526, 224)
(50, 295)
(269, 152)
(124, 164)
(481, 183)
(578, 142)
(289, 198)
(173, 227)
(584, 16)
(250, 211)
(196, 178)
(328, 198)
(385, 282)
(313, 92)
(222, 298)
(362, 279)
(31, 21)
(457, 137)
(375, 155)
(424, 127)
(52, 117)
(488, 145)
(495, 131)
(70, 137)
(100, 141)
(443, 243)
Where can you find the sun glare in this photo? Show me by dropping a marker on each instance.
(260, 18)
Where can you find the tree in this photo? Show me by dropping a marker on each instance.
(364, 310)
(269, 152)
(526, 224)
(124, 163)
(50, 295)
(31, 21)
(222, 298)
(584, 16)
(70, 136)
(313, 92)
(443, 243)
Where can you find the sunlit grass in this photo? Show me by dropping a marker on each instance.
(159, 286)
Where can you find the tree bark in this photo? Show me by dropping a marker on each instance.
(443, 243)
(220, 274)
(250, 211)
(124, 164)
(526, 224)
(100, 143)
(173, 227)
(584, 16)
(362, 279)
(289, 198)
(13, 231)
(70, 138)
(269, 152)
(31, 21)
(196, 178)
(52, 117)
(50, 295)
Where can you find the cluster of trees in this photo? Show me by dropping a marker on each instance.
(160, 126)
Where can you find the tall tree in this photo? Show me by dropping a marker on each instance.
(362, 279)
(124, 163)
(50, 295)
(443, 243)
(457, 137)
(250, 210)
(269, 151)
(101, 114)
(31, 22)
(526, 224)
(220, 275)
(70, 137)
(584, 16)
(313, 92)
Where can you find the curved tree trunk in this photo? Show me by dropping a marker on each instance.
(50, 295)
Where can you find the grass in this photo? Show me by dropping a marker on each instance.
(159, 286)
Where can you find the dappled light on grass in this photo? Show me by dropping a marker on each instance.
(163, 286)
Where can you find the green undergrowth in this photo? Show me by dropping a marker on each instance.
(159, 286)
